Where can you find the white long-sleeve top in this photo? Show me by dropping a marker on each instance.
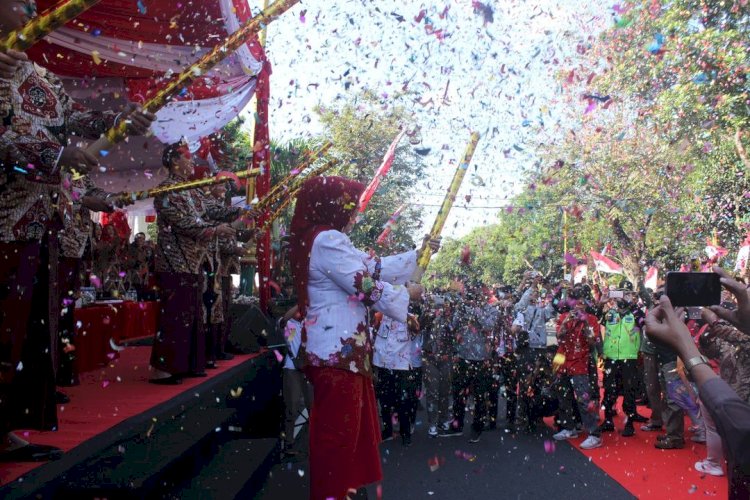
(340, 288)
(395, 349)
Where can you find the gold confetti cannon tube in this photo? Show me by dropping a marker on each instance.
(200, 67)
(43, 25)
(293, 190)
(183, 186)
(423, 259)
(279, 189)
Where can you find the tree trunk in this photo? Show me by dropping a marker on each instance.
(631, 256)
(741, 152)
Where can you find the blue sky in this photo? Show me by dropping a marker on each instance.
(469, 72)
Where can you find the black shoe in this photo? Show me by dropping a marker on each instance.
(197, 375)
(386, 435)
(61, 398)
(606, 426)
(475, 436)
(628, 431)
(172, 380)
(406, 441)
(211, 365)
(31, 453)
(639, 418)
(224, 356)
(451, 433)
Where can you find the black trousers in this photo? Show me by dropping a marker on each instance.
(471, 378)
(504, 369)
(398, 391)
(616, 372)
(526, 360)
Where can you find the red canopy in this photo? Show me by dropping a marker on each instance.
(131, 47)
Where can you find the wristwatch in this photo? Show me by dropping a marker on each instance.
(695, 361)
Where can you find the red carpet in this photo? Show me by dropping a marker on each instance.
(650, 473)
(105, 398)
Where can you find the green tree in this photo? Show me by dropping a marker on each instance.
(361, 132)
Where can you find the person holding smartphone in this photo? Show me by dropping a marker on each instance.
(729, 412)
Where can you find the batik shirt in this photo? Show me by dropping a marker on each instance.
(38, 118)
(732, 348)
(341, 289)
(77, 218)
(187, 223)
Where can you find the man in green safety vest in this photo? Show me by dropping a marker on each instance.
(621, 343)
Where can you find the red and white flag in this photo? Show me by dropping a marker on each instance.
(715, 252)
(743, 256)
(579, 273)
(605, 264)
(380, 173)
(652, 278)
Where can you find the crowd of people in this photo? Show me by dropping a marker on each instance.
(118, 265)
(364, 335)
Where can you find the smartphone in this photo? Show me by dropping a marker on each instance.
(693, 289)
(616, 294)
(694, 313)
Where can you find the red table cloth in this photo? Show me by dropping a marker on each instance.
(100, 325)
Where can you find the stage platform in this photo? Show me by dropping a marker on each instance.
(126, 438)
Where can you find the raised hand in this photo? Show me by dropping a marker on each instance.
(740, 317)
(9, 63)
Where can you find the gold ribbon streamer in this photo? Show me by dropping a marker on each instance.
(200, 67)
(423, 259)
(43, 25)
(278, 188)
(292, 192)
(183, 186)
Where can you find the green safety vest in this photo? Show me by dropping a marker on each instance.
(621, 339)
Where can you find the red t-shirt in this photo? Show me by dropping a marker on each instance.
(574, 346)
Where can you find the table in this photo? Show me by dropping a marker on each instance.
(99, 325)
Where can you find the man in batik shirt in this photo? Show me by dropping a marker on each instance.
(190, 226)
(38, 122)
(81, 199)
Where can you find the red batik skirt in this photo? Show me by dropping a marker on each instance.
(344, 433)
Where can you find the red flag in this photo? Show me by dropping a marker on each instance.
(380, 173)
(605, 265)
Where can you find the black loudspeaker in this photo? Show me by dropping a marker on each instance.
(250, 329)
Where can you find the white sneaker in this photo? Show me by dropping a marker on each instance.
(432, 431)
(708, 467)
(565, 434)
(591, 442)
